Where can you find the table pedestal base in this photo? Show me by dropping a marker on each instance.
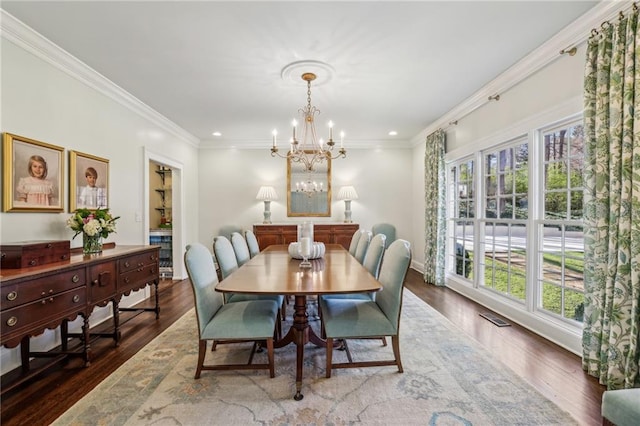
(300, 333)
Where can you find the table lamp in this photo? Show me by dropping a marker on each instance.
(267, 194)
(347, 193)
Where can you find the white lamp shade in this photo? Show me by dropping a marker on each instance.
(267, 193)
(347, 193)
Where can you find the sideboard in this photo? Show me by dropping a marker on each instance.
(328, 233)
(49, 296)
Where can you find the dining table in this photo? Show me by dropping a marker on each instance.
(275, 272)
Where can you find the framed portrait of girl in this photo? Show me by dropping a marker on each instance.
(33, 178)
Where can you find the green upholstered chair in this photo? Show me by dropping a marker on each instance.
(250, 320)
(225, 255)
(228, 263)
(363, 245)
(240, 248)
(354, 241)
(252, 243)
(621, 407)
(387, 229)
(375, 252)
(357, 319)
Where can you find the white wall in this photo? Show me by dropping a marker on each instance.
(41, 102)
(230, 179)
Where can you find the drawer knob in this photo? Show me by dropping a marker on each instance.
(32, 262)
(49, 245)
(126, 280)
(76, 298)
(126, 264)
(12, 321)
(75, 278)
(12, 295)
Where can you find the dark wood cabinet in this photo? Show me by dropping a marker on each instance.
(328, 233)
(49, 296)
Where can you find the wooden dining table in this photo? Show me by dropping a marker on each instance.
(274, 272)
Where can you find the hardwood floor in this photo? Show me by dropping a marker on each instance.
(554, 372)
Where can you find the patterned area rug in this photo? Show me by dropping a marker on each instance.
(448, 379)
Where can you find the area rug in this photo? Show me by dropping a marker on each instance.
(448, 379)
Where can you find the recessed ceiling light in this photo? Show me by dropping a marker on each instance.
(393, 133)
(217, 134)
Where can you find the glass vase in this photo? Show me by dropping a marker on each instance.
(91, 243)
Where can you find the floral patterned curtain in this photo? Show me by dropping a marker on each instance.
(434, 200)
(612, 204)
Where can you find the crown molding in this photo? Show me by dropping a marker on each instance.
(574, 34)
(18, 33)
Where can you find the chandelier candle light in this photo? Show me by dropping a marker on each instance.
(309, 187)
(347, 193)
(311, 150)
(267, 194)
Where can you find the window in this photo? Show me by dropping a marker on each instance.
(504, 236)
(515, 227)
(461, 210)
(561, 253)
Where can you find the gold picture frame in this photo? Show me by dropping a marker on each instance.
(33, 175)
(88, 181)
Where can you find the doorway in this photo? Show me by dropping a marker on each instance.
(164, 222)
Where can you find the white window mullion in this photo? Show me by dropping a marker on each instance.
(536, 207)
(478, 228)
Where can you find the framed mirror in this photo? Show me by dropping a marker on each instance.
(309, 192)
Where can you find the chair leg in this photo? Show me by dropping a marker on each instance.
(272, 370)
(384, 341)
(214, 345)
(345, 347)
(202, 350)
(279, 320)
(329, 356)
(395, 342)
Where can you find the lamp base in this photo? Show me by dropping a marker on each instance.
(267, 212)
(347, 211)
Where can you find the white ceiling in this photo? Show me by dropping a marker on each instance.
(216, 66)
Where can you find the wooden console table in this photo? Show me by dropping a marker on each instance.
(49, 296)
(328, 233)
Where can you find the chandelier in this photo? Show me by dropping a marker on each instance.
(309, 187)
(311, 150)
